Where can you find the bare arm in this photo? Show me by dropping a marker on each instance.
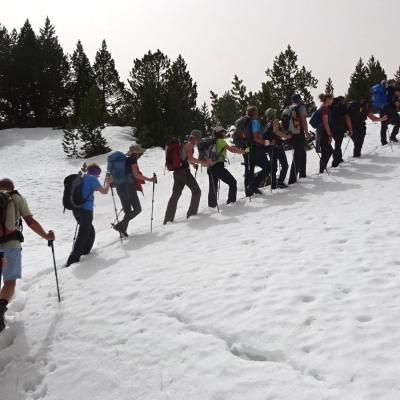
(234, 149)
(104, 189)
(259, 139)
(325, 121)
(304, 125)
(192, 160)
(372, 117)
(138, 175)
(37, 228)
(278, 132)
(348, 123)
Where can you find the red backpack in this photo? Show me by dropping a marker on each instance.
(173, 159)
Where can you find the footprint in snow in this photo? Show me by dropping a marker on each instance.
(364, 318)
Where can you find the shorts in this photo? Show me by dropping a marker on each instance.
(12, 268)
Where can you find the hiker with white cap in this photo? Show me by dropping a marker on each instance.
(217, 170)
(127, 190)
(183, 177)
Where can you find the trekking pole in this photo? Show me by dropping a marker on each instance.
(152, 202)
(116, 212)
(215, 194)
(219, 188)
(115, 220)
(75, 235)
(347, 145)
(271, 168)
(195, 174)
(391, 146)
(326, 168)
(51, 244)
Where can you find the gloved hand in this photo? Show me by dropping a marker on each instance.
(247, 150)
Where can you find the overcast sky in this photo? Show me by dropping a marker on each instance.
(220, 38)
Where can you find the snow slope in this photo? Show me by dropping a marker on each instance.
(292, 296)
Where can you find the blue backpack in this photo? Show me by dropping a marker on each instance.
(379, 96)
(316, 119)
(117, 167)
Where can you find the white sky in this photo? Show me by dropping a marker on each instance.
(219, 38)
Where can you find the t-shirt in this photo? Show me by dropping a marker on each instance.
(89, 186)
(255, 126)
(21, 211)
(220, 146)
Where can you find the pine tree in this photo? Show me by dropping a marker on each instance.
(205, 119)
(239, 93)
(359, 88)
(5, 89)
(53, 78)
(180, 99)
(397, 77)
(71, 142)
(107, 80)
(24, 78)
(375, 72)
(329, 87)
(286, 79)
(90, 125)
(224, 110)
(82, 78)
(147, 84)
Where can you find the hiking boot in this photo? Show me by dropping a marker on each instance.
(120, 230)
(3, 309)
(282, 185)
(393, 139)
(257, 191)
(249, 191)
(384, 143)
(335, 164)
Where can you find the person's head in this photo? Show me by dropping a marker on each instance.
(391, 82)
(270, 114)
(219, 132)
(326, 99)
(195, 136)
(296, 99)
(6, 185)
(252, 112)
(338, 100)
(135, 151)
(93, 169)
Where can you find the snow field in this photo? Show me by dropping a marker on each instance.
(292, 296)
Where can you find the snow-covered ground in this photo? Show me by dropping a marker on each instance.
(294, 296)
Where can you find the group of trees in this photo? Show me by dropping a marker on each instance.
(40, 85)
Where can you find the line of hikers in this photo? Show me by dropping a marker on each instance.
(261, 146)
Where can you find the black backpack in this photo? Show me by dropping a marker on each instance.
(242, 135)
(356, 113)
(72, 197)
(289, 115)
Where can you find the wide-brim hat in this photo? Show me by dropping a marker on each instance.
(219, 129)
(136, 149)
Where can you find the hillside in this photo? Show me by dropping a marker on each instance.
(293, 295)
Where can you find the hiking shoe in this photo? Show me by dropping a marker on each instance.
(395, 140)
(282, 185)
(257, 191)
(335, 164)
(384, 143)
(118, 228)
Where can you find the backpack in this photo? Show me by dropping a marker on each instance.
(241, 135)
(290, 117)
(316, 119)
(8, 220)
(356, 113)
(72, 197)
(379, 96)
(173, 150)
(116, 166)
